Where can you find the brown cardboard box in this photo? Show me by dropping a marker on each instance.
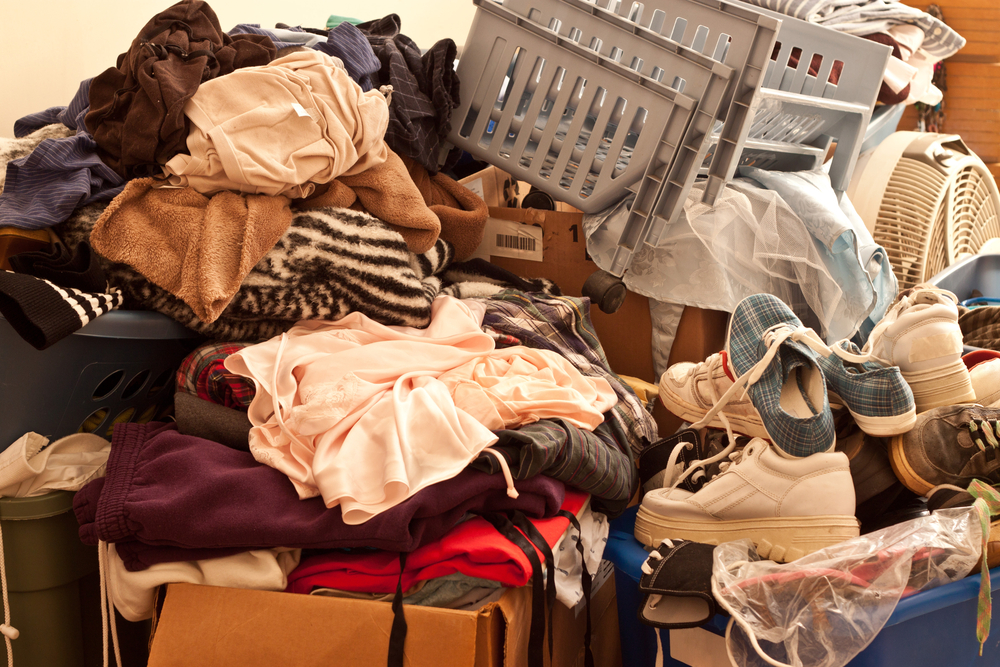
(624, 335)
(499, 188)
(496, 187)
(211, 626)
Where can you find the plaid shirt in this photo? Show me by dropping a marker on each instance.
(202, 373)
(595, 462)
(562, 324)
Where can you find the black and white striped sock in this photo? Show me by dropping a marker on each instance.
(43, 313)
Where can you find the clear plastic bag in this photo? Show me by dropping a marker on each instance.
(825, 608)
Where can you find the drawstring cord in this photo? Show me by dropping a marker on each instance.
(106, 605)
(511, 491)
(9, 631)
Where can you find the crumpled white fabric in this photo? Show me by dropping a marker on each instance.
(795, 240)
(33, 466)
(366, 415)
(824, 608)
(594, 527)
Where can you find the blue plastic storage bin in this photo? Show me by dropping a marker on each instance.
(120, 367)
(936, 628)
(978, 272)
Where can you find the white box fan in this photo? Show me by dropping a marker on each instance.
(928, 200)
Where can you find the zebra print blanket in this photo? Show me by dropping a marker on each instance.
(330, 262)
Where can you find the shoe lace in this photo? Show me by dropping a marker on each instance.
(773, 337)
(647, 568)
(987, 504)
(984, 429)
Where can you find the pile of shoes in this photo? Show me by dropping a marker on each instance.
(798, 445)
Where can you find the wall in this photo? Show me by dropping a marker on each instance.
(50, 46)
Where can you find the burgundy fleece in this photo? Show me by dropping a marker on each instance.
(167, 490)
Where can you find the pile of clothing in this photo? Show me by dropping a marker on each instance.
(367, 409)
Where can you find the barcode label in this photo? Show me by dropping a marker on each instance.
(516, 242)
(506, 238)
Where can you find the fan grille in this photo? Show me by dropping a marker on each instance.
(910, 219)
(974, 210)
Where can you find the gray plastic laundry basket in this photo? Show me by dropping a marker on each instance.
(795, 117)
(582, 102)
(120, 367)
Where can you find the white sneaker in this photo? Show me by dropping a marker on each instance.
(788, 507)
(986, 382)
(920, 334)
(690, 390)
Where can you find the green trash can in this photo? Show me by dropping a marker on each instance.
(45, 563)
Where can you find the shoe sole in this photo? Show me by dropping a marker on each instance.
(692, 413)
(781, 539)
(904, 472)
(947, 385)
(884, 427)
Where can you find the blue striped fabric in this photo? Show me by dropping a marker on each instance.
(44, 188)
(282, 37)
(351, 46)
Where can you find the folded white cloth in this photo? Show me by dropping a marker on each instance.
(134, 593)
(33, 466)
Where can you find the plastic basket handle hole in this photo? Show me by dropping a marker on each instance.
(107, 386)
(135, 384)
(94, 421)
(161, 381)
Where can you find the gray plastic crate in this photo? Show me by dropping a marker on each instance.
(729, 33)
(555, 105)
(120, 367)
(796, 116)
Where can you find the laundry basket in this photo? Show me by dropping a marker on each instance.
(795, 117)
(119, 367)
(583, 102)
(820, 87)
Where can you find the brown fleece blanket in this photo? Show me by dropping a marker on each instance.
(198, 248)
(401, 193)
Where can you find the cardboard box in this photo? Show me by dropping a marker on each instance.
(495, 186)
(206, 625)
(500, 189)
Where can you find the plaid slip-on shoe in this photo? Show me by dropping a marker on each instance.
(878, 397)
(786, 383)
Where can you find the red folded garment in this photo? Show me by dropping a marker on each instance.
(474, 548)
